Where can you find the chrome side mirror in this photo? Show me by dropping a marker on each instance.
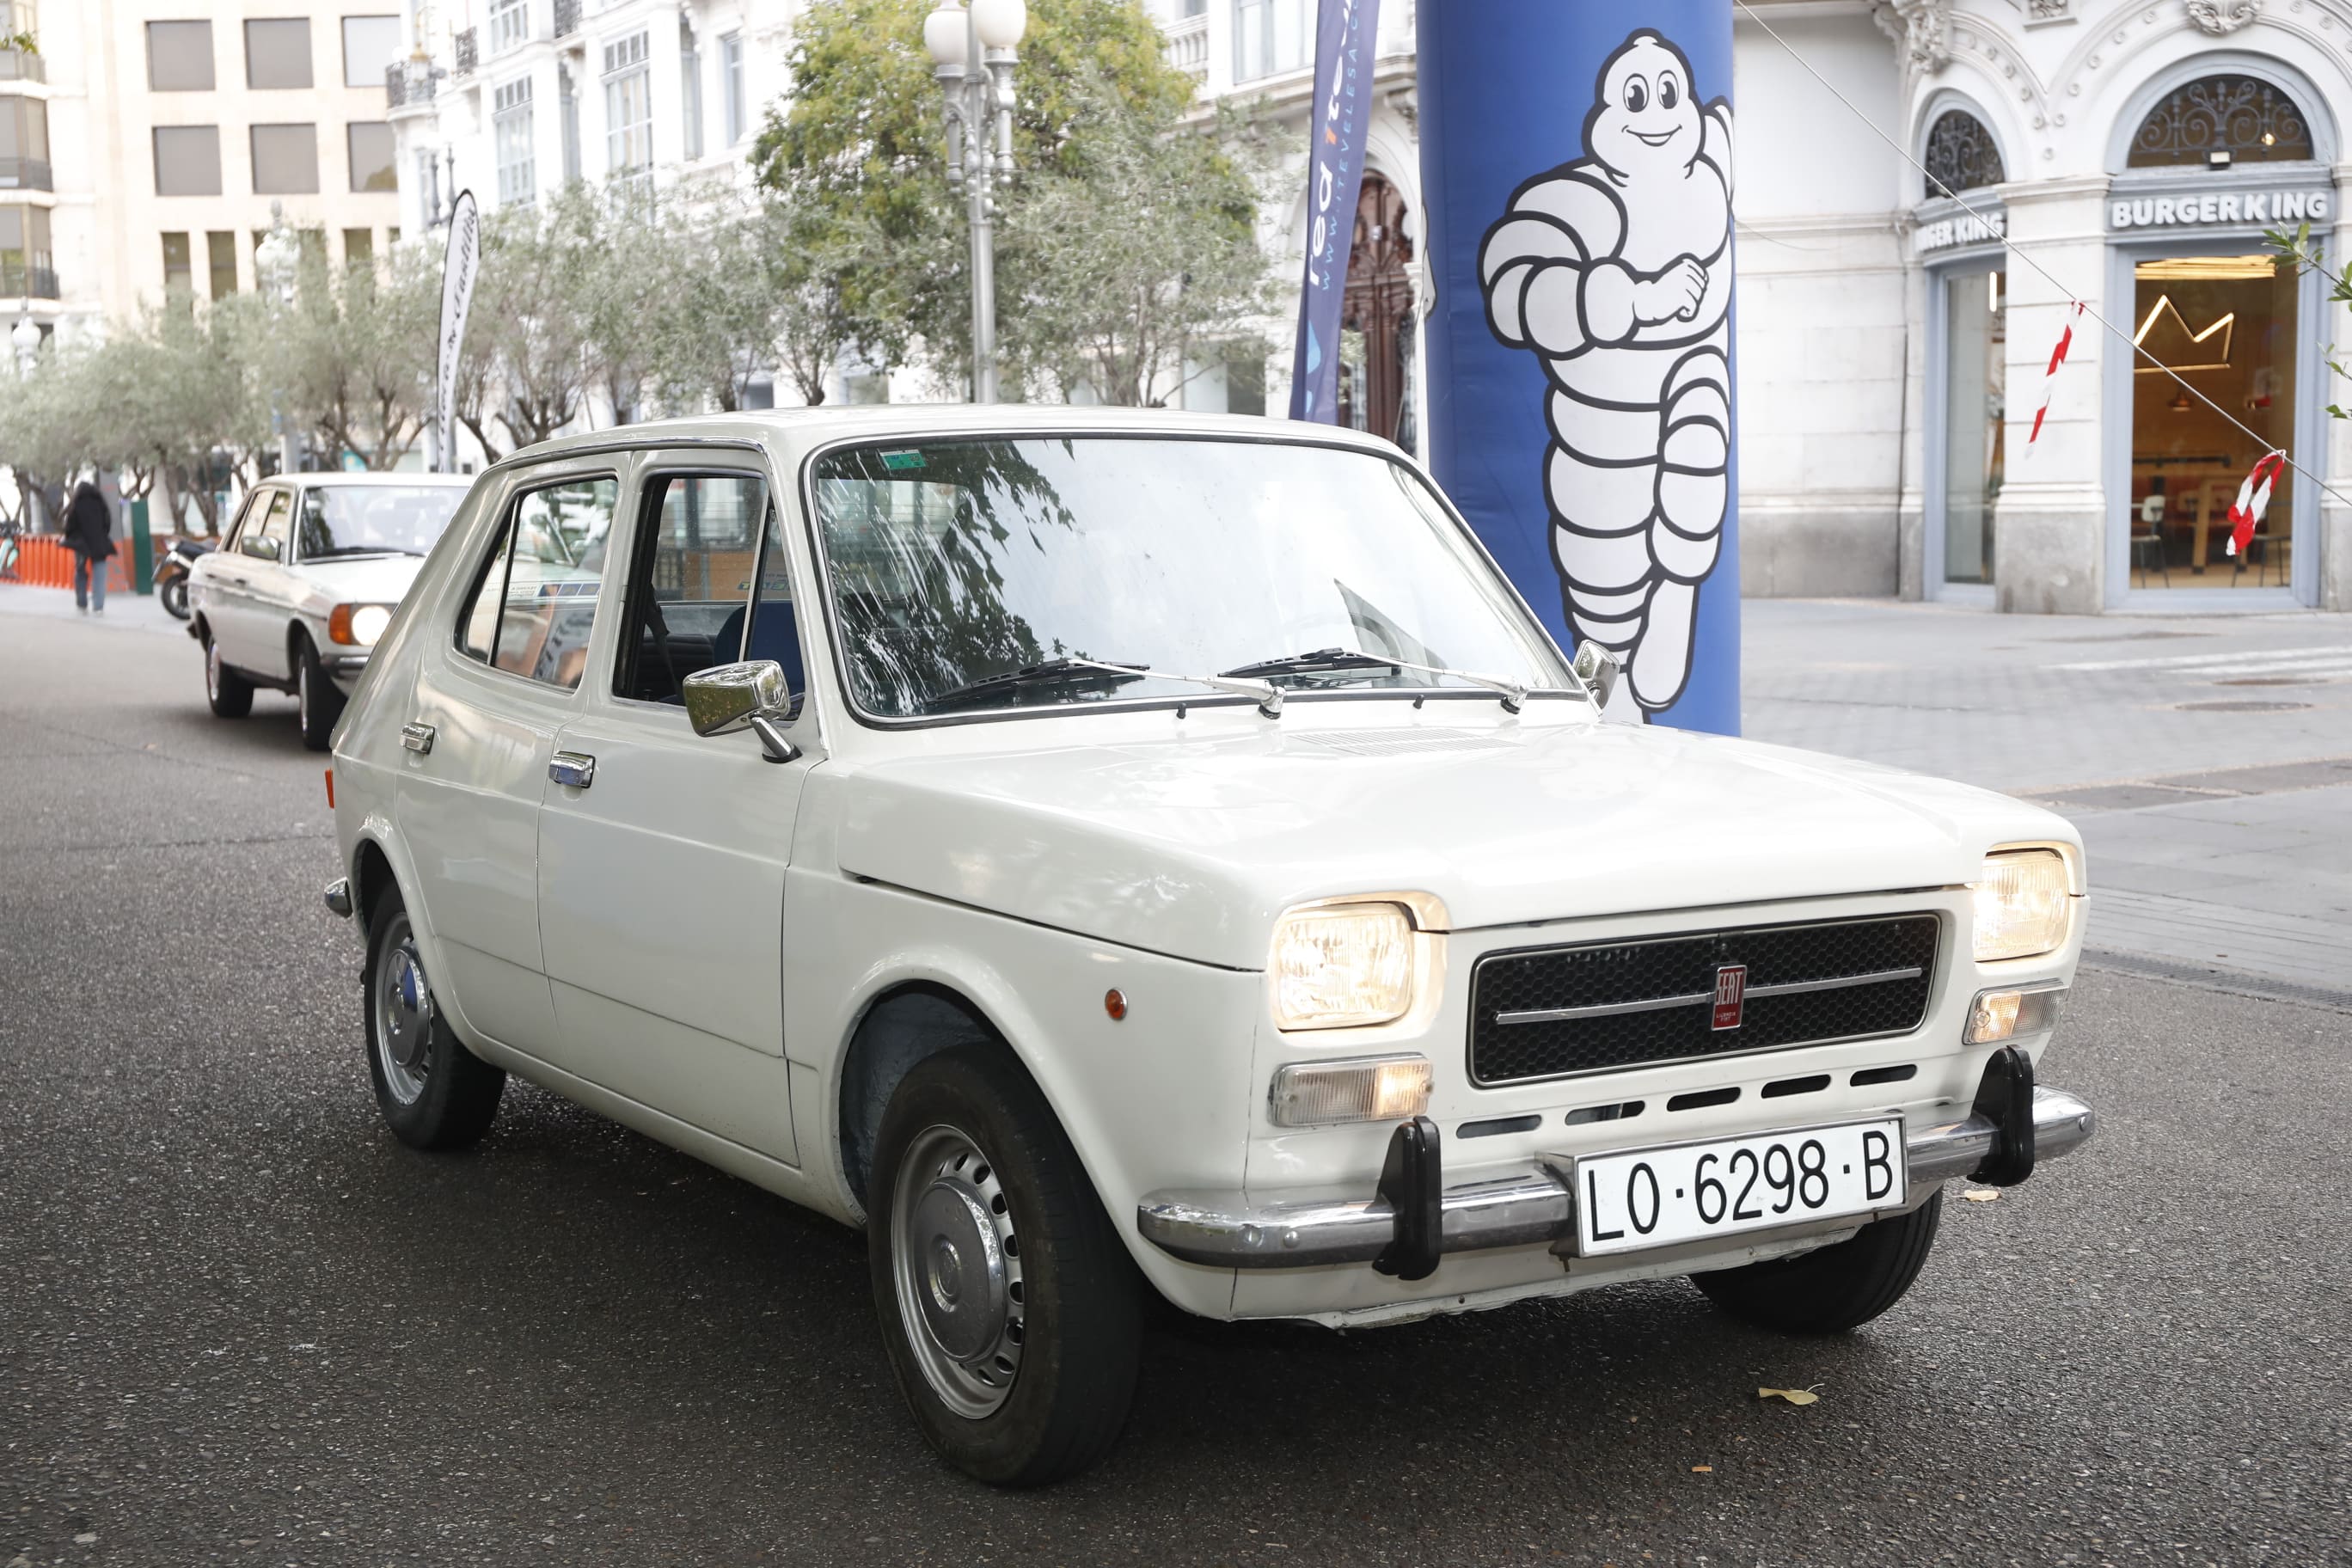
(751, 695)
(1599, 669)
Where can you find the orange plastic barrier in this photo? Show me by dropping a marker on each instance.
(45, 562)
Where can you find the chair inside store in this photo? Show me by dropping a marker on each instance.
(2222, 327)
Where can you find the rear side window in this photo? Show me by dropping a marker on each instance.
(533, 609)
(703, 589)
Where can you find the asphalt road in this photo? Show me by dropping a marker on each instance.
(239, 1324)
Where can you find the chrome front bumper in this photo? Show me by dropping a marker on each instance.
(1522, 1208)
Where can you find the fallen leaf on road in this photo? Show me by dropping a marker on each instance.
(1981, 1194)
(1793, 1396)
(1702, 1469)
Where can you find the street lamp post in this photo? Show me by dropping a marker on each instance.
(972, 50)
(274, 260)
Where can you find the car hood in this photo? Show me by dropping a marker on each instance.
(1193, 848)
(371, 580)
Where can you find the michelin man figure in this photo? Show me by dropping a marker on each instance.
(1616, 270)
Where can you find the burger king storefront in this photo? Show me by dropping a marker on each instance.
(2123, 501)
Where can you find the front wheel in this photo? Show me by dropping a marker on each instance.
(320, 699)
(432, 1091)
(1833, 1289)
(1009, 1305)
(230, 694)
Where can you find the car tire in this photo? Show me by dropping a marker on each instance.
(434, 1092)
(173, 597)
(979, 1203)
(1833, 1289)
(230, 694)
(317, 697)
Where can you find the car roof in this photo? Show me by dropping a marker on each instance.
(343, 478)
(797, 430)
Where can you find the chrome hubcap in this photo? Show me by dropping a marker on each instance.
(957, 1264)
(403, 1018)
(212, 667)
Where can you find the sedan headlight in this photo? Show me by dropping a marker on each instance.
(2023, 904)
(358, 625)
(1338, 966)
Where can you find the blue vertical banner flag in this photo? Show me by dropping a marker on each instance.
(1577, 165)
(1344, 34)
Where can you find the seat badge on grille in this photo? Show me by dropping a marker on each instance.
(1730, 994)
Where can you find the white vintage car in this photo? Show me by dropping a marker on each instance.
(305, 581)
(1105, 851)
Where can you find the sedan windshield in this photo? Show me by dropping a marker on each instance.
(966, 575)
(374, 520)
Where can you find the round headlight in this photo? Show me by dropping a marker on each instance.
(368, 623)
(2024, 904)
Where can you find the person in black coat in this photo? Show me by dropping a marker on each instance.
(89, 535)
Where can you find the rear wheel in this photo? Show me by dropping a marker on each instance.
(318, 698)
(432, 1091)
(230, 694)
(1008, 1303)
(1836, 1287)
(174, 596)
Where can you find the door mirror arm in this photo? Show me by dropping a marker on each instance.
(773, 744)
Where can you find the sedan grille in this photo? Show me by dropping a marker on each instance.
(1557, 1012)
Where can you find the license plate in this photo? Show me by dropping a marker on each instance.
(1694, 1192)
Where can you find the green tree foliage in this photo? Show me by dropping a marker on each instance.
(2301, 252)
(859, 151)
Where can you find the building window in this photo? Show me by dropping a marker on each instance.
(17, 20)
(369, 144)
(220, 255)
(629, 106)
(1185, 8)
(509, 25)
(2221, 119)
(25, 144)
(1961, 154)
(179, 274)
(730, 85)
(512, 137)
(371, 47)
(689, 93)
(180, 57)
(429, 186)
(277, 52)
(285, 160)
(1269, 36)
(358, 246)
(187, 161)
(25, 261)
(1976, 420)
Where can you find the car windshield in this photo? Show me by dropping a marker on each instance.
(955, 564)
(374, 520)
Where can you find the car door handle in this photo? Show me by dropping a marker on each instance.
(417, 737)
(573, 770)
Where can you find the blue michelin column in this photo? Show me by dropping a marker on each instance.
(1577, 163)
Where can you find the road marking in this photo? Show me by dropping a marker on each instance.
(2233, 663)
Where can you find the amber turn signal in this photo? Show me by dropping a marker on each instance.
(1115, 1003)
(330, 789)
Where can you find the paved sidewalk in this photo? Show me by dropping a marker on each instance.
(134, 612)
(2207, 759)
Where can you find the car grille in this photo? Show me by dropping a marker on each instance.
(1560, 1011)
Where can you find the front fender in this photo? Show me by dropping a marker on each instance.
(1161, 1098)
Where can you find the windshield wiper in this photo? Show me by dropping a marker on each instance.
(1268, 695)
(1315, 663)
(1514, 693)
(1052, 672)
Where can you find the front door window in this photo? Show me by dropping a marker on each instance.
(2222, 327)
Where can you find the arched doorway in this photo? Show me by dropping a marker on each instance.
(1376, 317)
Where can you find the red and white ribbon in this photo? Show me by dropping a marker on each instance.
(2050, 376)
(2253, 500)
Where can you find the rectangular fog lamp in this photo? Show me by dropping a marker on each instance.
(2013, 1013)
(1370, 1089)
